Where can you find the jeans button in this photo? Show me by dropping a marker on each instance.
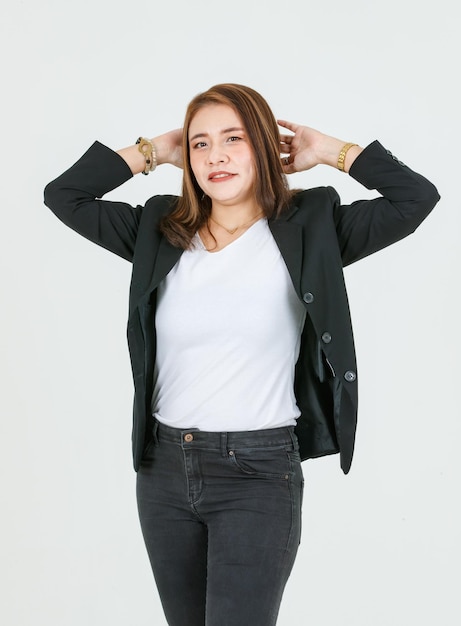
(189, 437)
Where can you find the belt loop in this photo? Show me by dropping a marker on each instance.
(155, 432)
(223, 444)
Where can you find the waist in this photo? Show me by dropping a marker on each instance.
(283, 437)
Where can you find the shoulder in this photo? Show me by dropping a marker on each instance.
(305, 197)
(306, 203)
(160, 205)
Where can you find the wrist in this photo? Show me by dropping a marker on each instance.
(350, 153)
(149, 152)
(343, 155)
(328, 150)
(338, 153)
(162, 150)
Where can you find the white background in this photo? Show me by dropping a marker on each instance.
(380, 546)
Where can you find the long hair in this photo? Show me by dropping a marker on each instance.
(271, 187)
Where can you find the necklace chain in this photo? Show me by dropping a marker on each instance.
(232, 231)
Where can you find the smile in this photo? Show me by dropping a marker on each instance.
(220, 176)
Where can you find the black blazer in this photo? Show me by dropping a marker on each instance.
(316, 236)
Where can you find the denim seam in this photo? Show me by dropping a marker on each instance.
(292, 500)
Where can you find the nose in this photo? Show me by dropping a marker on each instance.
(216, 154)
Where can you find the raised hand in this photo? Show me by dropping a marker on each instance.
(169, 147)
(306, 148)
(300, 147)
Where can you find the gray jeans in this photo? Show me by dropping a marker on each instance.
(221, 519)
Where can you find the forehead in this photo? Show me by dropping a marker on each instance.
(214, 118)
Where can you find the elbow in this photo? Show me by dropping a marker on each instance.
(49, 194)
(427, 201)
(432, 196)
(55, 199)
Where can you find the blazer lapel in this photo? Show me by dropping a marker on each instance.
(288, 237)
(167, 257)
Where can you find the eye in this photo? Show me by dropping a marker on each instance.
(199, 144)
(233, 138)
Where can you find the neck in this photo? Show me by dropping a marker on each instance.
(231, 218)
(237, 228)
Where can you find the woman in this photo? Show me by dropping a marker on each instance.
(239, 333)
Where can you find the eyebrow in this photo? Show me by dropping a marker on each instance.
(223, 132)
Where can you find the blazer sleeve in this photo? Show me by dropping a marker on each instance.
(407, 198)
(75, 198)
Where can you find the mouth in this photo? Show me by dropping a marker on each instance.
(218, 177)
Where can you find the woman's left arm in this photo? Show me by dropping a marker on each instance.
(365, 226)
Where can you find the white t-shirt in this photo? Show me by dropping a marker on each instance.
(228, 336)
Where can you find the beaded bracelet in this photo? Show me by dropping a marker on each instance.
(147, 149)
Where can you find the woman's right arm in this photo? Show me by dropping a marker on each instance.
(75, 196)
(168, 149)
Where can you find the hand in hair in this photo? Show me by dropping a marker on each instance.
(307, 147)
(169, 147)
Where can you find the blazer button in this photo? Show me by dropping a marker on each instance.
(350, 376)
(308, 297)
(326, 337)
(395, 158)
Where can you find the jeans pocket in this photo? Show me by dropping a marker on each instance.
(272, 463)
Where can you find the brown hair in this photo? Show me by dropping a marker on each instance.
(271, 188)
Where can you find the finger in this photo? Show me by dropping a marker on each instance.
(290, 125)
(286, 138)
(289, 169)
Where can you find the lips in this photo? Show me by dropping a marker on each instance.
(220, 176)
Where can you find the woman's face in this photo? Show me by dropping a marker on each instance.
(221, 156)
